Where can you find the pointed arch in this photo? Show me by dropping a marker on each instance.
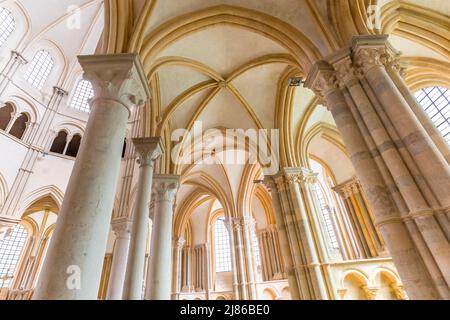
(280, 32)
(51, 191)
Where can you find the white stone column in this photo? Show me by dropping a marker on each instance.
(149, 149)
(73, 266)
(122, 229)
(177, 267)
(159, 276)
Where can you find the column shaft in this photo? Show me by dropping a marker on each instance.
(159, 275)
(73, 266)
(119, 260)
(149, 149)
(406, 257)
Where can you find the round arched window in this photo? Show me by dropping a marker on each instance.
(7, 25)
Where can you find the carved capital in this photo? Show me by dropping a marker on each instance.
(165, 187)
(149, 149)
(375, 50)
(116, 77)
(348, 188)
(347, 73)
(299, 175)
(322, 79)
(235, 223)
(121, 228)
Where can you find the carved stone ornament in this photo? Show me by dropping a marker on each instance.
(322, 79)
(165, 187)
(149, 149)
(116, 77)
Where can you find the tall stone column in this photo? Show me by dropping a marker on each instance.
(374, 55)
(73, 266)
(384, 165)
(187, 266)
(124, 210)
(199, 268)
(304, 253)
(122, 230)
(158, 285)
(242, 246)
(298, 180)
(178, 245)
(412, 159)
(122, 215)
(396, 72)
(276, 188)
(361, 217)
(149, 149)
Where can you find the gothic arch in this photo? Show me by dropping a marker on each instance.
(48, 191)
(325, 131)
(413, 22)
(265, 199)
(349, 18)
(186, 208)
(426, 72)
(300, 47)
(118, 25)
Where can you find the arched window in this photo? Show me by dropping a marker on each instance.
(5, 116)
(83, 92)
(326, 214)
(74, 146)
(222, 247)
(19, 126)
(7, 25)
(436, 103)
(10, 252)
(59, 144)
(39, 69)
